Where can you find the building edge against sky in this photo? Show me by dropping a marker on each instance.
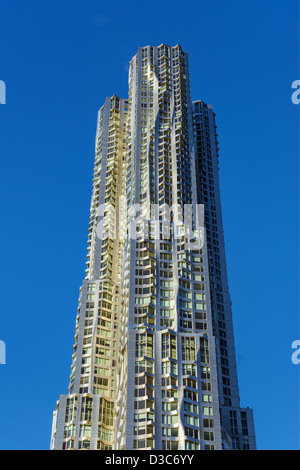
(153, 364)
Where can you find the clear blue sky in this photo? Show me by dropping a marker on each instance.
(59, 60)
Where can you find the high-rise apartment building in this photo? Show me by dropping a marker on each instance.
(153, 364)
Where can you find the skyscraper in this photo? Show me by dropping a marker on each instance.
(153, 364)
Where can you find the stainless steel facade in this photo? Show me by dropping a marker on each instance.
(153, 365)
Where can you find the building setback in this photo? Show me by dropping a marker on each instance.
(153, 363)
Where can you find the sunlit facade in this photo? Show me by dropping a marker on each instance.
(153, 363)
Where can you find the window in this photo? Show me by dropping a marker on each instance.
(142, 443)
(188, 348)
(246, 444)
(71, 409)
(170, 432)
(208, 436)
(235, 443)
(84, 445)
(244, 423)
(144, 366)
(85, 431)
(170, 445)
(169, 368)
(169, 419)
(168, 347)
(206, 398)
(86, 409)
(191, 420)
(191, 445)
(204, 350)
(189, 369)
(193, 433)
(233, 422)
(106, 412)
(144, 345)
